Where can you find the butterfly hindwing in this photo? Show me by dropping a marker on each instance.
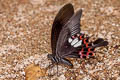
(74, 23)
(84, 51)
(72, 27)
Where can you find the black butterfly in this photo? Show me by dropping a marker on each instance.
(66, 39)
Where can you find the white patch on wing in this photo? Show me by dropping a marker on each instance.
(78, 44)
(74, 41)
(70, 40)
(80, 53)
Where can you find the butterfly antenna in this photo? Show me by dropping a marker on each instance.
(57, 69)
(49, 69)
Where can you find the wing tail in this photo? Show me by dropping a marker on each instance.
(103, 43)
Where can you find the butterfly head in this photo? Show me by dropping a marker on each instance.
(53, 58)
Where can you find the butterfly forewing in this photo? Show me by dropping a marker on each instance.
(60, 20)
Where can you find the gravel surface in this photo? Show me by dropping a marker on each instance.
(25, 27)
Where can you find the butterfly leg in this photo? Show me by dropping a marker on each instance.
(66, 61)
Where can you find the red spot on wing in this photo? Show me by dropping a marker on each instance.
(86, 44)
(80, 37)
(84, 41)
(89, 49)
(87, 53)
(92, 54)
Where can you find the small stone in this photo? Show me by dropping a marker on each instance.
(109, 10)
(62, 77)
(38, 2)
(23, 1)
(33, 72)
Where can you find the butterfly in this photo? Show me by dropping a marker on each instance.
(67, 41)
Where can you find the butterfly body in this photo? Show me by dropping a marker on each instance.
(58, 58)
(66, 39)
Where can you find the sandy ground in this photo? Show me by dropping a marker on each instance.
(25, 27)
